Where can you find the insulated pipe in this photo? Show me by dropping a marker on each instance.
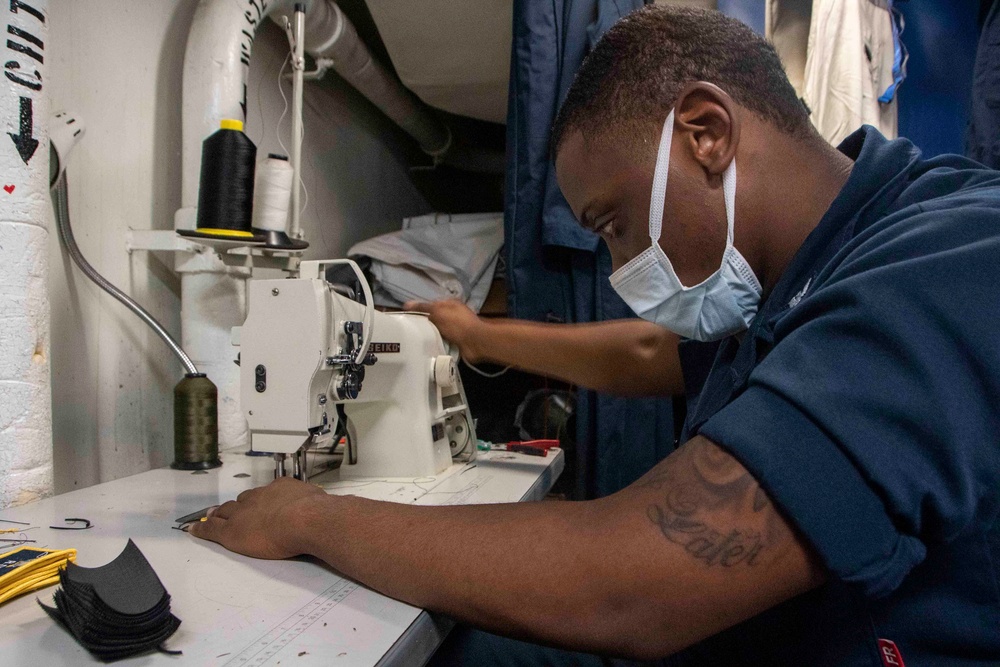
(25, 381)
(213, 296)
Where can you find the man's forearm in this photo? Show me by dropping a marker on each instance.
(692, 548)
(624, 357)
(528, 570)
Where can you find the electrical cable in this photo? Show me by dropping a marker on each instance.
(484, 373)
(69, 243)
(368, 325)
(196, 431)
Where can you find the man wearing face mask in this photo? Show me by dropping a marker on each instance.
(835, 499)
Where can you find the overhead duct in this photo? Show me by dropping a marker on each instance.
(331, 36)
(25, 378)
(455, 56)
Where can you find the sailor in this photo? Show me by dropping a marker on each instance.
(831, 316)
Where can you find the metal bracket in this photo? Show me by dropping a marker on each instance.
(297, 62)
(289, 32)
(323, 65)
(259, 258)
(159, 239)
(340, 360)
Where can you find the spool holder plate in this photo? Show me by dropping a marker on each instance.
(223, 244)
(233, 253)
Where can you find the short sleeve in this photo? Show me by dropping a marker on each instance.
(873, 422)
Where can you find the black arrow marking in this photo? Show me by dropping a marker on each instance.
(15, 5)
(25, 143)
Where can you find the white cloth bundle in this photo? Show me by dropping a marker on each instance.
(435, 257)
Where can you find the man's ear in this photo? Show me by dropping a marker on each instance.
(708, 125)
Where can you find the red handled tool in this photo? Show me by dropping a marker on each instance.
(531, 447)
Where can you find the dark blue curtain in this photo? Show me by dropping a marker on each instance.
(935, 98)
(751, 12)
(557, 271)
(982, 142)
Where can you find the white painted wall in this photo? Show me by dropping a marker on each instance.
(25, 430)
(118, 66)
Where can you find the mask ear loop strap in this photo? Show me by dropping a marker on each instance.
(659, 192)
(729, 194)
(733, 256)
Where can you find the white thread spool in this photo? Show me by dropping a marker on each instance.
(272, 193)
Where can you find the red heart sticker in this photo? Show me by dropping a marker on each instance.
(9, 188)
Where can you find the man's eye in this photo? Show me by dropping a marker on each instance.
(606, 227)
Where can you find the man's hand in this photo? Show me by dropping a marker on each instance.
(265, 522)
(457, 324)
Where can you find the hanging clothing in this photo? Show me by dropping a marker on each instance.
(982, 142)
(556, 270)
(751, 12)
(852, 65)
(935, 101)
(787, 28)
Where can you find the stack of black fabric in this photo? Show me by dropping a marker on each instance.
(117, 610)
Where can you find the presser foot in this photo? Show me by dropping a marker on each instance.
(298, 465)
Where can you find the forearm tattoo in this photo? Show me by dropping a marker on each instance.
(709, 505)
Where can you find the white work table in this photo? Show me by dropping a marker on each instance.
(236, 610)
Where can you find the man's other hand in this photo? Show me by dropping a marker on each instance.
(265, 522)
(457, 324)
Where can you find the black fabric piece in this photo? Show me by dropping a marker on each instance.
(115, 611)
(127, 584)
(162, 649)
(85, 595)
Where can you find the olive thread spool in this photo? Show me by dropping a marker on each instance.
(225, 190)
(196, 423)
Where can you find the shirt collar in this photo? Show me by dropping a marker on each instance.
(881, 172)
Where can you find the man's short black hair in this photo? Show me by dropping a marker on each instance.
(634, 74)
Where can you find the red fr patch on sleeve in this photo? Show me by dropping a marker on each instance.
(891, 656)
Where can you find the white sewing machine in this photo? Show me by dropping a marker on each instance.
(310, 356)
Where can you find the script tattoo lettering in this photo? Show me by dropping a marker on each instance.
(710, 506)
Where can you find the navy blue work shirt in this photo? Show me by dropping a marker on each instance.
(865, 399)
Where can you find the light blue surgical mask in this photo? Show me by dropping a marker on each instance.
(721, 305)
